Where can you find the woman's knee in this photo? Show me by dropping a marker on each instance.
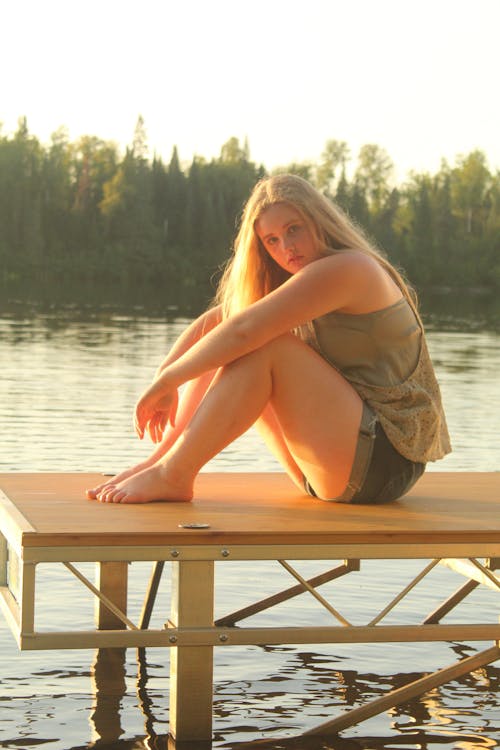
(285, 346)
(268, 352)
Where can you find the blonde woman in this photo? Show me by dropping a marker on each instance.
(316, 340)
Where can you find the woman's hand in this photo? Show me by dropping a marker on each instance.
(154, 410)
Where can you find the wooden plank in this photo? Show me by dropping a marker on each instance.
(13, 524)
(448, 507)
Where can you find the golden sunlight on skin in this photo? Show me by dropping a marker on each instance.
(286, 237)
(256, 364)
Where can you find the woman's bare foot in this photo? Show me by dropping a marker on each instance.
(146, 486)
(94, 492)
(158, 453)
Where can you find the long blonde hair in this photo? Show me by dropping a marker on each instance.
(251, 273)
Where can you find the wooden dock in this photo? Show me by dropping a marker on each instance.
(450, 518)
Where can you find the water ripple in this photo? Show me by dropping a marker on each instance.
(66, 394)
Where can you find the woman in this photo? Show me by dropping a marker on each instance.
(317, 341)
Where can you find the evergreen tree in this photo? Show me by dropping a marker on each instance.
(373, 174)
(82, 210)
(334, 159)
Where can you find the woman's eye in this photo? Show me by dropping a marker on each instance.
(293, 229)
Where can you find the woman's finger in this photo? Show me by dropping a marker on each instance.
(141, 419)
(173, 408)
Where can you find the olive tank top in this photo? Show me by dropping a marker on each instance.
(384, 355)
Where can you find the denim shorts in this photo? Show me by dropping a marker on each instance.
(379, 473)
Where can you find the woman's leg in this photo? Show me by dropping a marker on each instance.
(270, 431)
(317, 410)
(191, 398)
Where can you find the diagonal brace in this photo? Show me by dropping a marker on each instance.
(405, 591)
(283, 596)
(104, 599)
(416, 688)
(152, 591)
(486, 571)
(313, 591)
(460, 594)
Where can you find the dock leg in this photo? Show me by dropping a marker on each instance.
(27, 572)
(112, 581)
(191, 667)
(108, 670)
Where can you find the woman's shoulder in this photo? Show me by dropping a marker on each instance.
(371, 284)
(354, 258)
(348, 261)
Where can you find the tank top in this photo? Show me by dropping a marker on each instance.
(384, 355)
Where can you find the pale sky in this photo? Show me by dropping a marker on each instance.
(419, 78)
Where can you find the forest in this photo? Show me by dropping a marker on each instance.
(84, 212)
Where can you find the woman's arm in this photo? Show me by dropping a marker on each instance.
(337, 282)
(190, 401)
(167, 434)
(193, 333)
(351, 282)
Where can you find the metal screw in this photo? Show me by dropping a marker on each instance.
(173, 639)
(174, 553)
(225, 553)
(223, 638)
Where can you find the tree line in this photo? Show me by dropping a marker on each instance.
(82, 211)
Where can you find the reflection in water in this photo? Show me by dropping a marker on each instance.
(346, 688)
(413, 740)
(460, 311)
(109, 687)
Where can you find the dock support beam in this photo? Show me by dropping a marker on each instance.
(112, 581)
(191, 667)
(108, 670)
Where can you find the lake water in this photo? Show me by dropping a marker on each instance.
(68, 381)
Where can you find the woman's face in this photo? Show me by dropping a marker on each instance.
(286, 237)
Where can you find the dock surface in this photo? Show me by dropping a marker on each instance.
(447, 517)
(52, 510)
